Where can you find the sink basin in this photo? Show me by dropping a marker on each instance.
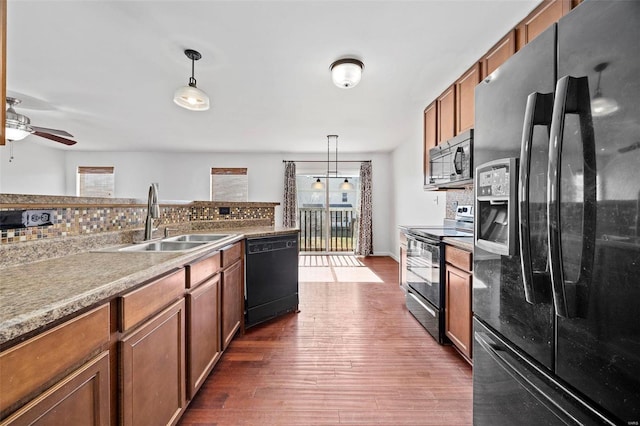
(199, 237)
(164, 246)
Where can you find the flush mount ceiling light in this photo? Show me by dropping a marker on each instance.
(601, 106)
(346, 73)
(190, 97)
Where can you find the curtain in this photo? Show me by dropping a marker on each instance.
(290, 202)
(364, 246)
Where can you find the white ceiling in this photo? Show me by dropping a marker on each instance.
(106, 71)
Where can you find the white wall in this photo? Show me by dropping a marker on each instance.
(185, 176)
(412, 205)
(35, 169)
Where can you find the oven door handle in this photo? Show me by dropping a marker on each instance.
(428, 309)
(538, 113)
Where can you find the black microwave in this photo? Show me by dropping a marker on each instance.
(451, 163)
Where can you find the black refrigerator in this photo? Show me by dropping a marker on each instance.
(556, 295)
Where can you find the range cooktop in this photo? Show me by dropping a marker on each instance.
(438, 232)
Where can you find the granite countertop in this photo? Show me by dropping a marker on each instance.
(36, 294)
(465, 243)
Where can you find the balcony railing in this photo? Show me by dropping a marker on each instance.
(313, 222)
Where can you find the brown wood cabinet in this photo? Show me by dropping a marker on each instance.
(458, 292)
(402, 270)
(204, 345)
(232, 285)
(45, 362)
(82, 398)
(153, 370)
(548, 12)
(446, 115)
(465, 98)
(430, 136)
(499, 53)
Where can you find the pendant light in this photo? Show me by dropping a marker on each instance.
(346, 185)
(601, 106)
(346, 73)
(190, 97)
(318, 184)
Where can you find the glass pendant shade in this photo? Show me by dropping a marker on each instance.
(346, 73)
(317, 184)
(601, 106)
(346, 185)
(192, 98)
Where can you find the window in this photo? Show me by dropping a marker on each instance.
(95, 181)
(229, 184)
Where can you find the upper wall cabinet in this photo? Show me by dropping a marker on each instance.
(499, 53)
(446, 114)
(430, 135)
(548, 12)
(465, 99)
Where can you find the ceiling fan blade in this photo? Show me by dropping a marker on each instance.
(54, 131)
(54, 138)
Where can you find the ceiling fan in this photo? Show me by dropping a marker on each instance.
(18, 126)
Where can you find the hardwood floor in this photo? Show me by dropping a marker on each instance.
(352, 355)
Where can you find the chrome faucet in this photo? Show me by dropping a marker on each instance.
(153, 211)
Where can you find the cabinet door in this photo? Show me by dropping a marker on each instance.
(203, 332)
(446, 113)
(153, 370)
(465, 100)
(232, 302)
(499, 53)
(548, 12)
(430, 136)
(458, 308)
(82, 398)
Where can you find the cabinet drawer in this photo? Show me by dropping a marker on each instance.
(231, 254)
(458, 257)
(201, 269)
(27, 367)
(149, 299)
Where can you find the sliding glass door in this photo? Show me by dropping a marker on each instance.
(327, 214)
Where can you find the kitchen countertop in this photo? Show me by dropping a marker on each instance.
(465, 243)
(36, 294)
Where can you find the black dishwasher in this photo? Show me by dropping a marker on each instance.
(271, 277)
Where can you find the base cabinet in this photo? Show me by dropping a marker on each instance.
(82, 398)
(458, 293)
(232, 305)
(232, 285)
(203, 332)
(153, 370)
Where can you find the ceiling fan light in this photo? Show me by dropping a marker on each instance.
(346, 73)
(15, 134)
(191, 98)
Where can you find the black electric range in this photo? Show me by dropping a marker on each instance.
(425, 272)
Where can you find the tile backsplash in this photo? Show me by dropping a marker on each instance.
(74, 216)
(456, 198)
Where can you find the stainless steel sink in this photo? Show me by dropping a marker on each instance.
(198, 237)
(164, 246)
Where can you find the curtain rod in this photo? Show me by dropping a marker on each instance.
(324, 161)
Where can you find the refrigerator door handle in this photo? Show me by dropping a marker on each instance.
(538, 113)
(572, 97)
